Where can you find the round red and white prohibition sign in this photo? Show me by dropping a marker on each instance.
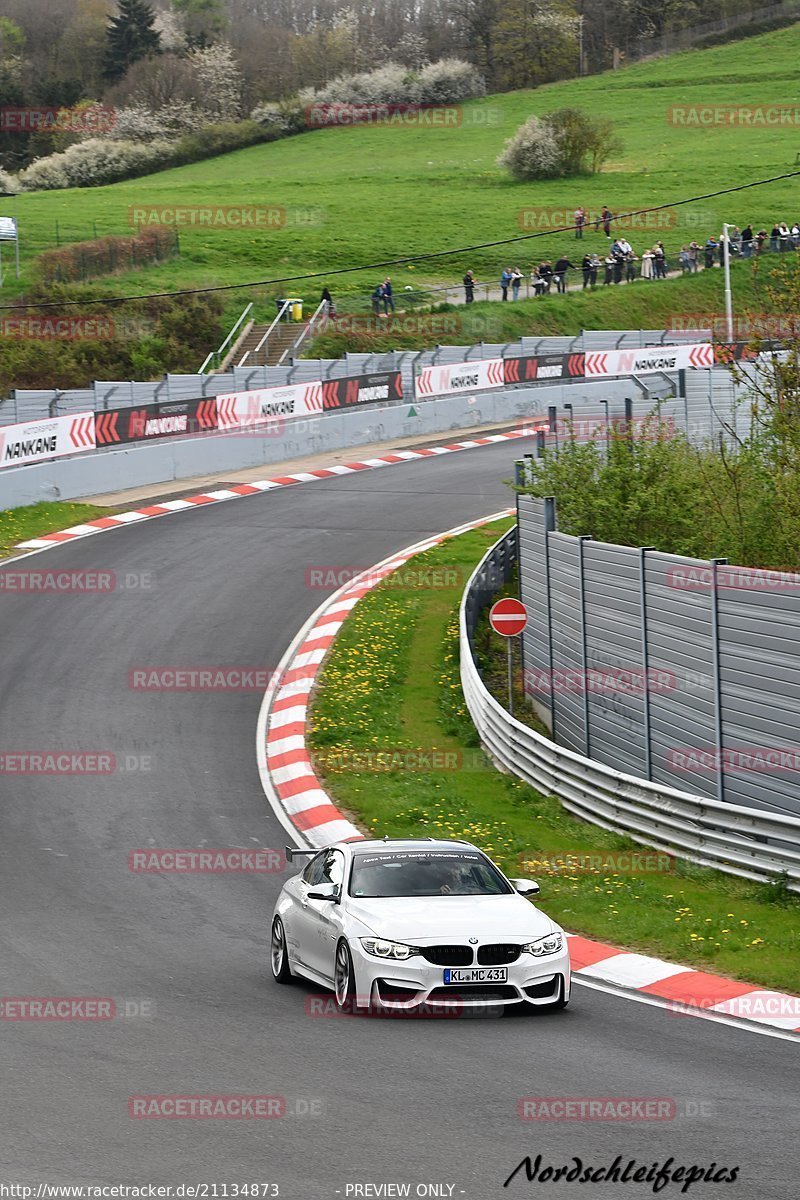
(508, 617)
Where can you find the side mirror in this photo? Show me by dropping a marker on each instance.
(326, 891)
(526, 887)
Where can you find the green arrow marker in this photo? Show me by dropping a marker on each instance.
(412, 412)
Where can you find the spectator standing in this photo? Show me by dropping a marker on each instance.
(760, 238)
(694, 256)
(537, 283)
(619, 264)
(648, 259)
(609, 263)
(660, 260)
(785, 236)
(607, 217)
(796, 234)
(586, 268)
(684, 260)
(327, 299)
(773, 238)
(747, 241)
(562, 266)
(546, 275)
(505, 280)
(631, 260)
(580, 221)
(709, 251)
(469, 287)
(388, 296)
(377, 299)
(516, 280)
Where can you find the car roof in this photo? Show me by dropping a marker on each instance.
(370, 845)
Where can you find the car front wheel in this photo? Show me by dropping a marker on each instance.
(279, 954)
(344, 979)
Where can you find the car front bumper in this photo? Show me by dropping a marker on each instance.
(416, 984)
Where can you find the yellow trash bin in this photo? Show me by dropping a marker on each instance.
(297, 308)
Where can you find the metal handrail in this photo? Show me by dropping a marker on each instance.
(291, 351)
(215, 354)
(283, 308)
(732, 838)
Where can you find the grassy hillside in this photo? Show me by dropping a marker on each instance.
(373, 192)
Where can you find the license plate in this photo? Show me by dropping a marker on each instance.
(476, 975)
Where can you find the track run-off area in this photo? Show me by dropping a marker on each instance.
(185, 956)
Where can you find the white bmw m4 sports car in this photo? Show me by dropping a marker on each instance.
(417, 925)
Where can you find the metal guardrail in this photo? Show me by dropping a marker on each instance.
(215, 356)
(737, 840)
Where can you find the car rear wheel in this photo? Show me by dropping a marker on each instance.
(279, 955)
(343, 979)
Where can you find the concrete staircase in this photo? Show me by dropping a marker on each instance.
(281, 339)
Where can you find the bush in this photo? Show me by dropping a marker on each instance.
(533, 152)
(150, 337)
(85, 260)
(93, 162)
(102, 160)
(216, 139)
(138, 123)
(443, 82)
(8, 183)
(565, 142)
(449, 80)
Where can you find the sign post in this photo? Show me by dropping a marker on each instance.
(508, 618)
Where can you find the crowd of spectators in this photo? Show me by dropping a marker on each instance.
(621, 263)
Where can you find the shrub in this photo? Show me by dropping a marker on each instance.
(210, 140)
(533, 152)
(85, 260)
(93, 162)
(449, 80)
(8, 183)
(138, 123)
(565, 142)
(150, 337)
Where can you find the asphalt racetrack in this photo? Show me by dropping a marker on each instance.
(368, 1102)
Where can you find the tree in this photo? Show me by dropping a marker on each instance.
(130, 37)
(203, 21)
(535, 43)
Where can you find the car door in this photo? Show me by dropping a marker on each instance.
(323, 918)
(299, 928)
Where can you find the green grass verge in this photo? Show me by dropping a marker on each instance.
(365, 194)
(20, 524)
(390, 688)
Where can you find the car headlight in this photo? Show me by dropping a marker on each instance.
(550, 944)
(382, 948)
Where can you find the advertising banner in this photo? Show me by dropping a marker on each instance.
(531, 367)
(50, 438)
(382, 387)
(451, 378)
(268, 404)
(150, 422)
(605, 363)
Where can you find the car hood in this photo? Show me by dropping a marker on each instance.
(451, 918)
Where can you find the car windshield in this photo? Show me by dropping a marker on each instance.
(426, 873)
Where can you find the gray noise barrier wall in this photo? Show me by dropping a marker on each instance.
(681, 672)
